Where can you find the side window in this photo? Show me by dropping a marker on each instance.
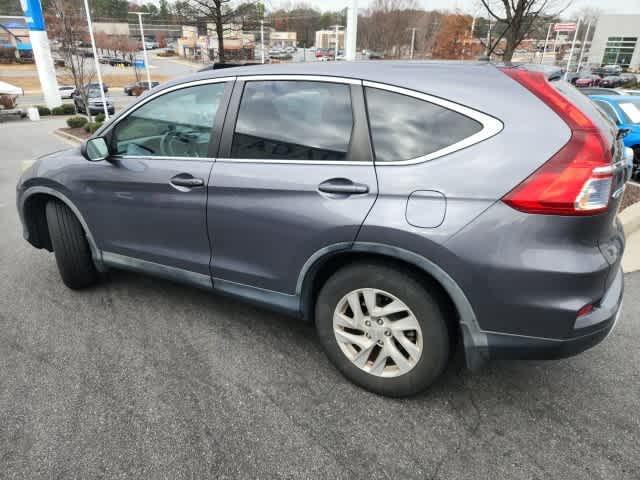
(176, 124)
(608, 109)
(293, 120)
(403, 127)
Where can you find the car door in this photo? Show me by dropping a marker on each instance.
(148, 200)
(294, 176)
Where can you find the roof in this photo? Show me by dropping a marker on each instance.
(15, 23)
(479, 85)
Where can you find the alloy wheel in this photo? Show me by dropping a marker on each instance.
(377, 332)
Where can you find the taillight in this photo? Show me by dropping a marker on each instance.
(577, 179)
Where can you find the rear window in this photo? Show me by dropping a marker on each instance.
(631, 109)
(404, 128)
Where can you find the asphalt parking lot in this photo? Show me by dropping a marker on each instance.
(142, 378)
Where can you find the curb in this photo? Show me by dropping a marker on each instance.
(68, 136)
(630, 218)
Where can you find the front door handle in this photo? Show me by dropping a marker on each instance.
(187, 182)
(343, 186)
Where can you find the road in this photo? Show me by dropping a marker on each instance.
(142, 378)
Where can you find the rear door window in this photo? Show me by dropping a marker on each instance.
(405, 128)
(293, 120)
(608, 109)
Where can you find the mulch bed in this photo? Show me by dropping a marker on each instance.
(631, 195)
(78, 132)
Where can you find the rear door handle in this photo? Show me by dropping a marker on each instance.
(343, 186)
(188, 182)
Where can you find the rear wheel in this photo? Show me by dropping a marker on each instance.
(70, 247)
(382, 329)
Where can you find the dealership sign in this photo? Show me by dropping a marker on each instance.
(564, 27)
(33, 14)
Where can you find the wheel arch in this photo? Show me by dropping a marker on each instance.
(32, 209)
(329, 259)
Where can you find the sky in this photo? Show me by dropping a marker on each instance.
(608, 6)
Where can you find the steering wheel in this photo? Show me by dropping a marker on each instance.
(172, 139)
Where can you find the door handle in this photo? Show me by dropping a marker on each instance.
(188, 182)
(343, 186)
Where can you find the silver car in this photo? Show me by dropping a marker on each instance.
(407, 209)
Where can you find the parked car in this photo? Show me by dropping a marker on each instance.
(104, 59)
(612, 69)
(402, 226)
(624, 111)
(321, 52)
(611, 81)
(601, 91)
(116, 61)
(629, 79)
(96, 86)
(629, 91)
(66, 91)
(94, 99)
(587, 80)
(137, 88)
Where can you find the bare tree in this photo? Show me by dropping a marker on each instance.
(519, 17)
(67, 25)
(385, 25)
(220, 13)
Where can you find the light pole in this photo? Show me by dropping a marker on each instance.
(96, 63)
(262, 39)
(582, 47)
(573, 46)
(546, 41)
(352, 31)
(144, 47)
(413, 41)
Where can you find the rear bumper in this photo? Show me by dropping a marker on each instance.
(588, 332)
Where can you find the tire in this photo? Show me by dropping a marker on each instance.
(432, 338)
(70, 247)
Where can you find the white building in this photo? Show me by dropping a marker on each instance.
(615, 41)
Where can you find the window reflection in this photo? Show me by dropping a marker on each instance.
(293, 120)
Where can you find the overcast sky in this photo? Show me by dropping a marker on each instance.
(608, 6)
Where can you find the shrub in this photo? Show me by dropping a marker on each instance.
(64, 109)
(42, 110)
(99, 118)
(68, 108)
(92, 126)
(76, 122)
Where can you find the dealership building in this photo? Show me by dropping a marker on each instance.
(616, 41)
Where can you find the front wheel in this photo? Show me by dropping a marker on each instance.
(70, 247)
(383, 329)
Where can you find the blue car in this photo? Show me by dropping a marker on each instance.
(625, 112)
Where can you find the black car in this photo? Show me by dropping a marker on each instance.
(611, 81)
(629, 78)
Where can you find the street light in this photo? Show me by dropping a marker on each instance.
(97, 64)
(144, 47)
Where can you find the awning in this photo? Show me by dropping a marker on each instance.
(8, 89)
(24, 47)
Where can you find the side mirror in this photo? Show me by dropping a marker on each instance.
(95, 149)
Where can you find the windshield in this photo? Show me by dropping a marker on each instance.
(631, 109)
(93, 93)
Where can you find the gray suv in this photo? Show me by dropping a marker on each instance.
(408, 209)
